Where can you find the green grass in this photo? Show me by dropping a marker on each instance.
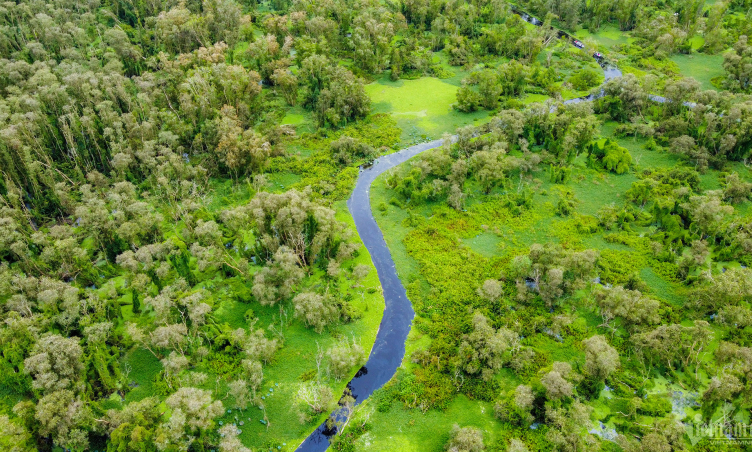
(405, 430)
(485, 244)
(607, 36)
(531, 98)
(700, 66)
(422, 107)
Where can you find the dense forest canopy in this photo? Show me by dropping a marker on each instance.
(178, 270)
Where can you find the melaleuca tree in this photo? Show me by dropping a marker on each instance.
(180, 31)
(631, 306)
(14, 436)
(56, 366)
(279, 279)
(485, 349)
(292, 219)
(287, 84)
(570, 427)
(556, 381)
(372, 34)
(229, 441)
(737, 66)
(465, 439)
(192, 414)
(333, 93)
(267, 55)
(343, 357)
(256, 347)
(601, 359)
(491, 290)
(133, 426)
(316, 310)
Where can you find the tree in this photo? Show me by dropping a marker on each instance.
(342, 101)
(465, 439)
(229, 441)
(631, 305)
(675, 344)
(610, 156)
(731, 288)
(584, 79)
(315, 398)
(14, 437)
(346, 149)
(516, 445)
(556, 386)
(65, 417)
(708, 213)
(569, 432)
(490, 290)
(601, 359)
(489, 168)
(736, 190)
(55, 364)
(468, 99)
(738, 66)
(489, 88)
(253, 370)
(286, 83)
(316, 310)
(192, 414)
(278, 280)
(238, 150)
(238, 390)
(485, 350)
(293, 220)
(342, 358)
(256, 347)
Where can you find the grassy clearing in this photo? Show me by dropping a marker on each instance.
(700, 66)
(607, 36)
(422, 107)
(410, 430)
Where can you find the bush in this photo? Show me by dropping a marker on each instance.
(655, 406)
(610, 156)
(590, 388)
(467, 100)
(346, 149)
(585, 79)
(465, 439)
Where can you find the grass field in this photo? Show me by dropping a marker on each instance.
(422, 107)
(607, 36)
(700, 66)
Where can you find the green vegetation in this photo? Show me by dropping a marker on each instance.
(602, 244)
(179, 270)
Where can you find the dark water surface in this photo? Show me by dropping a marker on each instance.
(389, 348)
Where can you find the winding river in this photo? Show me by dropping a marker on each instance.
(389, 347)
